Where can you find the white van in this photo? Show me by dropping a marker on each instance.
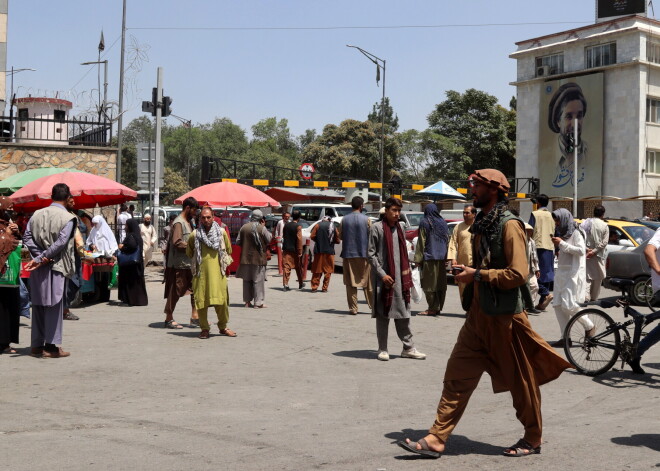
(316, 211)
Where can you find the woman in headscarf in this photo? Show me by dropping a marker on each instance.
(570, 275)
(101, 238)
(431, 255)
(132, 289)
(9, 294)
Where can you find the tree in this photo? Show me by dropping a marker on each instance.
(477, 124)
(447, 160)
(414, 157)
(306, 139)
(138, 130)
(351, 149)
(391, 120)
(174, 184)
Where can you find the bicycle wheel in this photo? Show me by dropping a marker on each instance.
(596, 354)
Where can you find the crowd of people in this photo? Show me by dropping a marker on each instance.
(504, 269)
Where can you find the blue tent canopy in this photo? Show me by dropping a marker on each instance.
(440, 190)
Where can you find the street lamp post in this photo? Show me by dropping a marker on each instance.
(380, 64)
(105, 84)
(12, 72)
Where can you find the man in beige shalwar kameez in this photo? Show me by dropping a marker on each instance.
(460, 243)
(503, 345)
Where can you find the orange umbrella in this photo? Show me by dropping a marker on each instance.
(229, 194)
(87, 189)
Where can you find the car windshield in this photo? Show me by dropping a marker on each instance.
(414, 219)
(304, 223)
(344, 211)
(639, 233)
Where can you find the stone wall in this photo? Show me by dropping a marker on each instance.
(15, 158)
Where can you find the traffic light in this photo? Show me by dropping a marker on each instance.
(167, 106)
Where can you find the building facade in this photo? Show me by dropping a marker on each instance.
(607, 77)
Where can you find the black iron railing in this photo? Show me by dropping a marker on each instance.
(36, 129)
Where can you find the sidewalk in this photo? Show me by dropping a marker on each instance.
(298, 389)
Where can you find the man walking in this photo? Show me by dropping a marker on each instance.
(49, 238)
(149, 239)
(123, 216)
(324, 234)
(497, 337)
(544, 230)
(279, 235)
(207, 246)
(597, 237)
(388, 256)
(178, 265)
(460, 243)
(431, 254)
(253, 239)
(354, 234)
(292, 246)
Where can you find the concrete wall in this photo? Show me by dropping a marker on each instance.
(16, 158)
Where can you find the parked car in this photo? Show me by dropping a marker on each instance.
(317, 211)
(631, 265)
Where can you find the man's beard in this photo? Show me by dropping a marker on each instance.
(147, 223)
(478, 203)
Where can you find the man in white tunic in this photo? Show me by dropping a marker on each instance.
(460, 243)
(570, 277)
(149, 239)
(597, 236)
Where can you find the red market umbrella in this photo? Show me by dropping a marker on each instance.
(229, 194)
(88, 190)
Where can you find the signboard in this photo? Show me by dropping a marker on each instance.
(307, 171)
(561, 102)
(606, 9)
(145, 152)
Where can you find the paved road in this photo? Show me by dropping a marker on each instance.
(298, 389)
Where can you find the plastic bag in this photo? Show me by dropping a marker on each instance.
(12, 268)
(113, 278)
(416, 292)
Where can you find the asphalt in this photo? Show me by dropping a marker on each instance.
(298, 389)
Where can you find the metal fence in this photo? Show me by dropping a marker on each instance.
(38, 129)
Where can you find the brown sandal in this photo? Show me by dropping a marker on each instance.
(428, 313)
(228, 333)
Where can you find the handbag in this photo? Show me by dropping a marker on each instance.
(128, 259)
(12, 268)
(416, 292)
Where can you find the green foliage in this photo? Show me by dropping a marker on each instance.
(391, 120)
(351, 149)
(138, 130)
(476, 123)
(174, 185)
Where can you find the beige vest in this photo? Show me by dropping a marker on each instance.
(177, 258)
(46, 226)
(543, 229)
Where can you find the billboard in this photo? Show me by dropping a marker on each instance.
(609, 8)
(563, 101)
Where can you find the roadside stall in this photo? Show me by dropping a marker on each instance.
(88, 191)
(230, 195)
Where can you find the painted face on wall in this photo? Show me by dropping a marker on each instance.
(572, 110)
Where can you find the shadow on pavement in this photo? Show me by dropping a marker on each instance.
(444, 314)
(621, 379)
(185, 333)
(334, 311)
(649, 440)
(456, 445)
(362, 354)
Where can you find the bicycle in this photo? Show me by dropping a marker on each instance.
(596, 354)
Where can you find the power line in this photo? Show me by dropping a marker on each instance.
(322, 28)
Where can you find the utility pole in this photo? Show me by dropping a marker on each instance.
(575, 168)
(121, 96)
(159, 118)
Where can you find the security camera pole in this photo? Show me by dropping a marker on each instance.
(575, 168)
(159, 116)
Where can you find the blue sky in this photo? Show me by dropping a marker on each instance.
(307, 76)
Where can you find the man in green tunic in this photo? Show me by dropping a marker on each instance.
(207, 247)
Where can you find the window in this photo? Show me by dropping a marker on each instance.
(603, 54)
(555, 63)
(59, 115)
(23, 114)
(653, 52)
(652, 108)
(653, 161)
